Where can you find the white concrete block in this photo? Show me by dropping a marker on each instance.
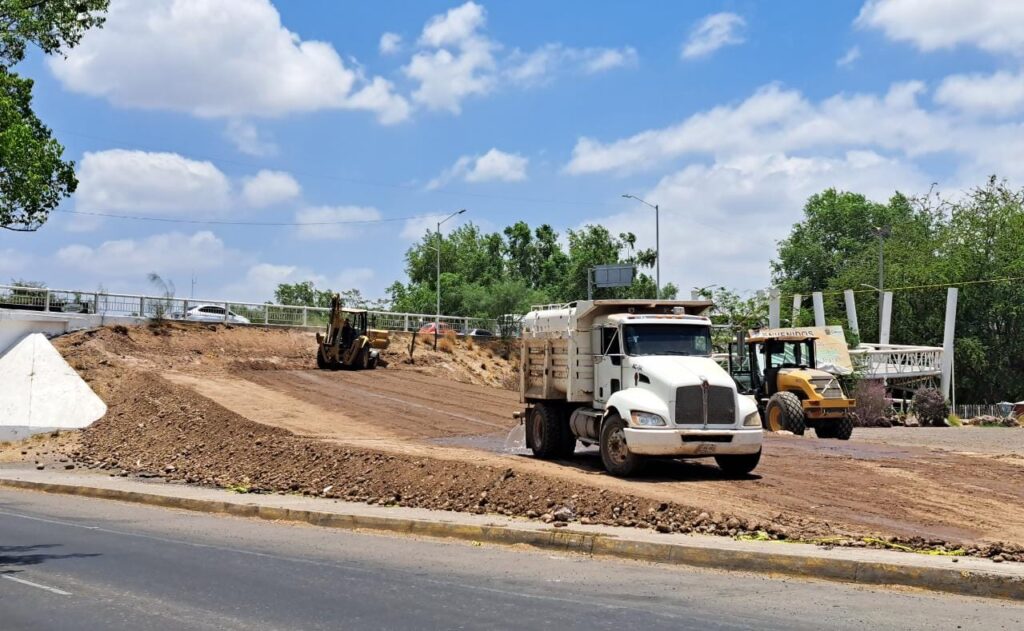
(40, 392)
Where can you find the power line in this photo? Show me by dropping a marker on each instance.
(984, 281)
(246, 223)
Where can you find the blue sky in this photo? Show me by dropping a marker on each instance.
(727, 114)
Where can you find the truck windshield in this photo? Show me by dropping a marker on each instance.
(667, 339)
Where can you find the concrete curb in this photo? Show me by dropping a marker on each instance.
(955, 581)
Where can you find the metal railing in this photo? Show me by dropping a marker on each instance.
(898, 361)
(262, 314)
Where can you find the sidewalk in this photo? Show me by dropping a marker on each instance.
(960, 575)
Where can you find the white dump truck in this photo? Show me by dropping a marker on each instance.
(635, 377)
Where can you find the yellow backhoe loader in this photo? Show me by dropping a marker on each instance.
(349, 343)
(792, 395)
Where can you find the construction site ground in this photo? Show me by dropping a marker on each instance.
(244, 408)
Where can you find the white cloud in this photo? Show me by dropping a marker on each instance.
(776, 120)
(495, 165)
(326, 218)
(261, 279)
(446, 77)
(1001, 93)
(12, 261)
(454, 27)
(713, 32)
(161, 183)
(457, 60)
(161, 253)
(720, 221)
(230, 58)
(390, 43)
(267, 188)
(543, 63)
(498, 165)
(996, 26)
(849, 57)
(248, 139)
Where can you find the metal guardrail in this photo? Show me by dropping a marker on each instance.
(262, 314)
(894, 361)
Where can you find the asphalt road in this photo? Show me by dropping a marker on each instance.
(74, 563)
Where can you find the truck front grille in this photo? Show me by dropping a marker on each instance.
(721, 405)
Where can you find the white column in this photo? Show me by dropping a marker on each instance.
(819, 309)
(947, 343)
(774, 308)
(851, 312)
(883, 337)
(797, 298)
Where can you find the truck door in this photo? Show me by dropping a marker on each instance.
(607, 363)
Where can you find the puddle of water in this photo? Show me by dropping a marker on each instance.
(515, 442)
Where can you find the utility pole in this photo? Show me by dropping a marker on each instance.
(657, 243)
(437, 317)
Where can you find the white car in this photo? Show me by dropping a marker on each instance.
(213, 313)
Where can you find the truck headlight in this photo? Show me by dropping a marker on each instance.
(648, 419)
(752, 420)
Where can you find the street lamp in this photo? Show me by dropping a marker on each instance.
(657, 243)
(437, 319)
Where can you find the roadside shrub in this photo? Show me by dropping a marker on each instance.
(930, 407)
(954, 421)
(447, 342)
(873, 405)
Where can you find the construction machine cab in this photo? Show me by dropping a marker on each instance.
(349, 342)
(792, 394)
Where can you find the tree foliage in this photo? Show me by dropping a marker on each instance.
(34, 177)
(967, 241)
(305, 294)
(492, 274)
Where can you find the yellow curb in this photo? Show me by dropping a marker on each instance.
(950, 580)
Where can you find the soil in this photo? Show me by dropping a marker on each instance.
(242, 408)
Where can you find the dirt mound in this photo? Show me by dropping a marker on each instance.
(157, 428)
(205, 348)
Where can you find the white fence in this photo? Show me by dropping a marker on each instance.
(896, 361)
(140, 306)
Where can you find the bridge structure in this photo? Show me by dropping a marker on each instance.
(898, 366)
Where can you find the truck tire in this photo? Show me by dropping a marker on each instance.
(825, 429)
(844, 428)
(616, 457)
(784, 412)
(550, 436)
(321, 362)
(739, 464)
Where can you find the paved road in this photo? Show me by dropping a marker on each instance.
(74, 563)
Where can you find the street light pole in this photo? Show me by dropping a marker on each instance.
(657, 243)
(437, 317)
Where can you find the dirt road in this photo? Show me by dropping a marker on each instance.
(854, 486)
(237, 406)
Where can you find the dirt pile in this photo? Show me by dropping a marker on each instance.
(157, 428)
(215, 348)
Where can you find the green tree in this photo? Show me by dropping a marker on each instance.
(303, 294)
(970, 241)
(34, 177)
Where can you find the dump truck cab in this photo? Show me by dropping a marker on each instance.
(636, 378)
(780, 373)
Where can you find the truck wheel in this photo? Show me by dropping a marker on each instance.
(550, 436)
(844, 428)
(321, 362)
(618, 460)
(825, 429)
(784, 412)
(738, 465)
